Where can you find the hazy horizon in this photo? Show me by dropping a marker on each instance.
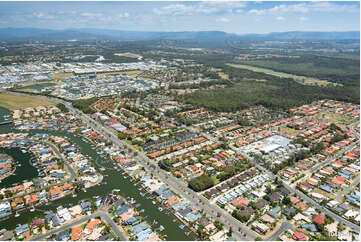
(228, 16)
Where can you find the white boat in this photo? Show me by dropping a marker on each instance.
(32, 209)
(17, 214)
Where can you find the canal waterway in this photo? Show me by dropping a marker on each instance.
(24, 172)
(114, 180)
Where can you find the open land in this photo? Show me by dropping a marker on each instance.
(300, 79)
(14, 101)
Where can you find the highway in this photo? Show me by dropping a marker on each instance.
(99, 213)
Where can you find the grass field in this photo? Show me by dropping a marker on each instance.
(130, 73)
(29, 90)
(223, 75)
(256, 80)
(14, 101)
(289, 131)
(336, 118)
(129, 55)
(300, 79)
(215, 180)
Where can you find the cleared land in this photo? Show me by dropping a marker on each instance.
(223, 75)
(130, 55)
(300, 79)
(14, 101)
(336, 118)
(61, 75)
(289, 131)
(130, 73)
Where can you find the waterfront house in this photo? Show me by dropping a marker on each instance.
(55, 193)
(17, 203)
(85, 206)
(52, 219)
(37, 223)
(32, 198)
(21, 229)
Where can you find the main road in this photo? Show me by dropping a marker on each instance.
(211, 210)
(197, 200)
(99, 213)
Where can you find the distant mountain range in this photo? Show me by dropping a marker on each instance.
(304, 35)
(19, 34)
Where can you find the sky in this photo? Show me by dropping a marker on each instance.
(228, 16)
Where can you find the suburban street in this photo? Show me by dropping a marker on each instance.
(347, 190)
(99, 213)
(284, 226)
(306, 198)
(198, 200)
(177, 186)
(73, 175)
(68, 166)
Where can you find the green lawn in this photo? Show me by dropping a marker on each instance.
(300, 79)
(15, 101)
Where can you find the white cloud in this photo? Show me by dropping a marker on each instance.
(257, 11)
(224, 20)
(91, 15)
(41, 15)
(307, 7)
(205, 8)
(303, 18)
(181, 9)
(124, 15)
(280, 18)
(332, 7)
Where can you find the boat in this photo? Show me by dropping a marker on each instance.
(153, 202)
(141, 211)
(160, 209)
(161, 228)
(74, 195)
(17, 214)
(32, 209)
(181, 226)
